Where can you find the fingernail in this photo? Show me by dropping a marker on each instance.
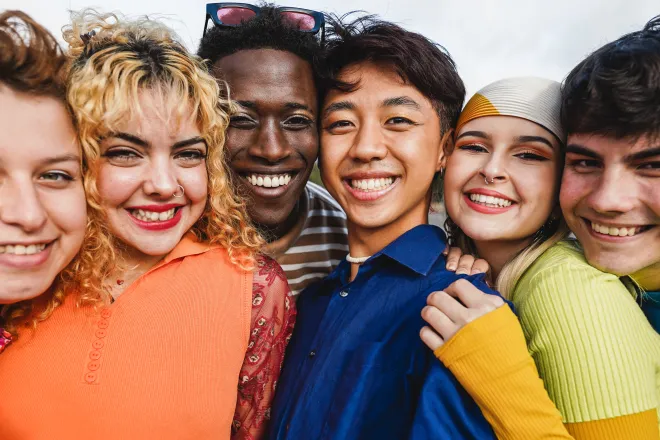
(461, 272)
(451, 266)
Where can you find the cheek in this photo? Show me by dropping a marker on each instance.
(195, 184)
(67, 210)
(573, 189)
(305, 143)
(116, 185)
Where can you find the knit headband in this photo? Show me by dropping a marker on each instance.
(535, 99)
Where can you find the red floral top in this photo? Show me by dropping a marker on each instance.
(273, 317)
(5, 339)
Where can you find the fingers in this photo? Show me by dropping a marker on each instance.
(453, 255)
(431, 338)
(448, 306)
(465, 264)
(480, 266)
(472, 297)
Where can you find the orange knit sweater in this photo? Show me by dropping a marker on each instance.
(161, 362)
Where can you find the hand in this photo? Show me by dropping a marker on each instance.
(447, 315)
(464, 264)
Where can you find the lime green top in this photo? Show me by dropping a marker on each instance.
(597, 354)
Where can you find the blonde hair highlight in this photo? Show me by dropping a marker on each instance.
(110, 68)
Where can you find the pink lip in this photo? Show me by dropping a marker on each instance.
(370, 196)
(158, 226)
(156, 208)
(486, 209)
(26, 261)
(489, 192)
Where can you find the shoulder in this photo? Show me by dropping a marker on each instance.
(320, 199)
(269, 284)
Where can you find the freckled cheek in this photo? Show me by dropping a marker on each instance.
(195, 183)
(116, 185)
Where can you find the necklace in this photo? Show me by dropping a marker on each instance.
(356, 260)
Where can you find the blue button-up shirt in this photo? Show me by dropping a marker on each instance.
(356, 367)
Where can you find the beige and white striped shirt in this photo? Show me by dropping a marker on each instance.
(316, 244)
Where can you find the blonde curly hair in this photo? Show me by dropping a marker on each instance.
(113, 61)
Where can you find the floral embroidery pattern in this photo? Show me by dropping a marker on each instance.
(273, 317)
(5, 339)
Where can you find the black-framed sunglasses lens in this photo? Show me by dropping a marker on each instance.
(235, 15)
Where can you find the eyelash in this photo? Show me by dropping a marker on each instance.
(120, 154)
(191, 155)
(532, 156)
(63, 175)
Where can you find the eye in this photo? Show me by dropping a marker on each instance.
(56, 178)
(583, 165)
(242, 121)
(121, 155)
(339, 127)
(298, 122)
(531, 156)
(399, 120)
(651, 169)
(190, 156)
(474, 148)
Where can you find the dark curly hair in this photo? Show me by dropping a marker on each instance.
(419, 61)
(615, 91)
(266, 31)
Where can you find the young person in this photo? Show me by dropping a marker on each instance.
(42, 201)
(177, 327)
(354, 368)
(271, 57)
(580, 305)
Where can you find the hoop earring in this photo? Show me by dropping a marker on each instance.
(180, 195)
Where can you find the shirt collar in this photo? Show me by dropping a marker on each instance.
(418, 249)
(189, 245)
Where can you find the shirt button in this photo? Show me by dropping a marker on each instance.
(106, 313)
(343, 293)
(90, 377)
(94, 365)
(98, 344)
(95, 355)
(104, 323)
(101, 333)
(312, 354)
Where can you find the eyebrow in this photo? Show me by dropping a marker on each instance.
(187, 142)
(541, 139)
(337, 106)
(404, 101)
(581, 150)
(297, 106)
(651, 152)
(247, 104)
(131, 138)
(480, 134)
(62, 158)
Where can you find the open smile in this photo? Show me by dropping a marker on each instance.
(155, 217)
(488, 201)
(617, 232)
(25, 255)
(269, 185)
(370, 187)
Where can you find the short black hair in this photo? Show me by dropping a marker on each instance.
(615, 91)
(419, 61)
(266, 31)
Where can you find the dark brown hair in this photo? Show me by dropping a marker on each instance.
(615, 91)
(419, 61)
(31, 61)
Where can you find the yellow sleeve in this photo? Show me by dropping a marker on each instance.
(593, 347)
(640, 426)
(489, 358)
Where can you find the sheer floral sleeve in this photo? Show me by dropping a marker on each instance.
(273, 317)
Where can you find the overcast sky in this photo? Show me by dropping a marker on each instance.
(488, 39)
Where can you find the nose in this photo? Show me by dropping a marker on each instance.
(271, 144)
(616, 192)
(494, 170)
(20, 205)
(369, 143)
(161, 180)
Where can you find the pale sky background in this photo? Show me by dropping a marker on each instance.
(488, 39)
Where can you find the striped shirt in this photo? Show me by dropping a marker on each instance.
(316, 244)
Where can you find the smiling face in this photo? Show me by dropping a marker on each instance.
(611, 201)
(152, 179)
(381, 146)
(42, 202)
(521, 162)
(272, 142)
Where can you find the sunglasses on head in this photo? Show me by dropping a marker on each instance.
(235, 14)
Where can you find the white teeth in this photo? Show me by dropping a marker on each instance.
(372, 184)
(490, 201)
(20, 249)
(269, 181)
(150, 216)
(614, 231)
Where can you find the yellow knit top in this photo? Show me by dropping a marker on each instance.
(598, 356)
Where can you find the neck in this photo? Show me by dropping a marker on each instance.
(649, 277)
(276, 231)
(132, 265)
(499, 253)
(365, 241)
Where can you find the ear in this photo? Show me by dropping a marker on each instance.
(446, 147)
